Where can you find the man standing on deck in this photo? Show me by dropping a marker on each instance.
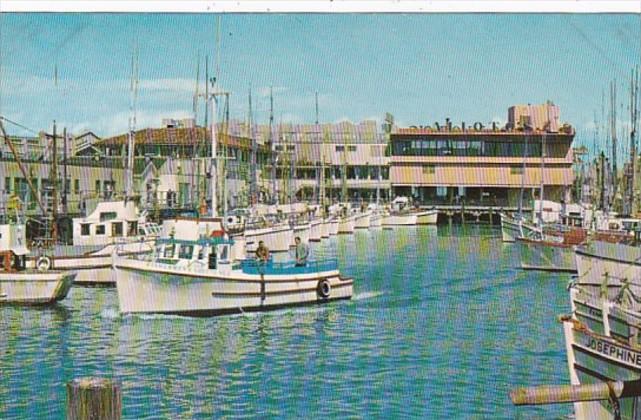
(302, 252)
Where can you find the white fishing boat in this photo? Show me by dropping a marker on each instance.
(362, 220)
(114, 226)
(603, 343)
(316, 230)
(194, 275)
(346, 224)
(402, 215)
(22, 285)
(277, 237)
(599, 259)
(333, 226)
(325, 228)
(517, 227)
(554, 251)
(376, 220)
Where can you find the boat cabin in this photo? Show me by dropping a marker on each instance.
(205, 253)
(13, 249)
(112, 221)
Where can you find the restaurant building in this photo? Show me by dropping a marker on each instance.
(483, 163)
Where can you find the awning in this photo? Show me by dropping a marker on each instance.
(20, 250)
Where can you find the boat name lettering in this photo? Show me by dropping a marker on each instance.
(615, 351)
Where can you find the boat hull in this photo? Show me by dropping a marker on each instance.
(333, 227)
(35, 288)
(315, 230)
(593, 358)
(538, 255)
(325, 228)
(600, 263)
(429, 217)
(346, 225)
(94, 269)
(362, 221)
(376, 220)
(145, 289)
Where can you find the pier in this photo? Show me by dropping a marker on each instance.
(473, 213)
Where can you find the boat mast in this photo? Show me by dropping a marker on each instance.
(53, 179)
(634, 100)
(252, 168)
(613, 134)
(195, 179)
(133, 88)
(523, 176)
(213, 167)
(273, 148)
(543, 153)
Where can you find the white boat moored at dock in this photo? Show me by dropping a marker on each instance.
(21, 285)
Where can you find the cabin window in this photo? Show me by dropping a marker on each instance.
(132, 227)
(107, 215)
(169, 251)
(201, 252)
(351, 148)
(116, 229)
(84, 229)
(100, 229)
(185, 252)
(340, 148)
(212, 259)
(141, 232)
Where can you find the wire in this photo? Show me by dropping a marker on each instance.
(18, 124)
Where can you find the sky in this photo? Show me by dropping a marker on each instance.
(421, 68)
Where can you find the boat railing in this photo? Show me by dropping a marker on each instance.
(288, 267)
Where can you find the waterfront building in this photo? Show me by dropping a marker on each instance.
(484, 164)
(352, 156)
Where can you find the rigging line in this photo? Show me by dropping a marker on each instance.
(17, 124)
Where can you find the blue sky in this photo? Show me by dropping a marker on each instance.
(422, 68)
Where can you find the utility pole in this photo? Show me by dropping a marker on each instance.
(273, 148)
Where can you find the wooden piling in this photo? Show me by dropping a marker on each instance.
(94, 399)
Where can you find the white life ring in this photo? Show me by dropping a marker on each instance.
(43, 263)
(323, 289)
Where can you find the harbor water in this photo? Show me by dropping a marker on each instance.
(442, 325)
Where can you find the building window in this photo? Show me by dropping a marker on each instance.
(100, 229)
(340, 148)
(116, 229)
(429, 170)
(97, 186)
(7, 185)
(84, 229)
(441, 191)
(76, 186)
(291, 147)
(278, 148)
(351, 148)
(516, 170)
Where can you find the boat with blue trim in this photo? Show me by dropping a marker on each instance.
(192, 272)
